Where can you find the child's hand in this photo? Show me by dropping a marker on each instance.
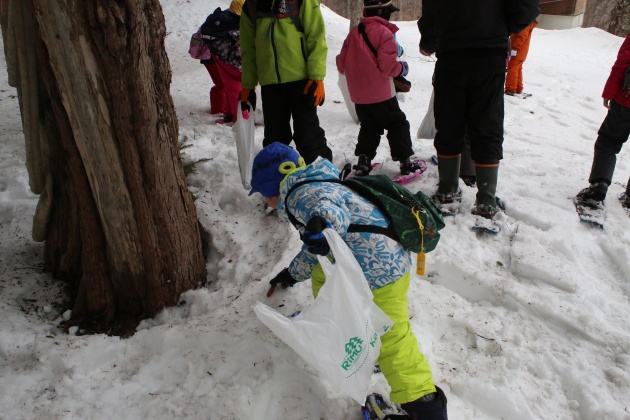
(284, 279)
(313, 236)
(314, 91)
(248, 95)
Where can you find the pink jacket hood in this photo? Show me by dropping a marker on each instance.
(370, 77)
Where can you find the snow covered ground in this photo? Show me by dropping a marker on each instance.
(530, 324)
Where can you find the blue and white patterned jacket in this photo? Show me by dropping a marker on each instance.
(383, 260)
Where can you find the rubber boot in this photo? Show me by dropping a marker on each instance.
(448, 170)
(487, 177)
(428, 407)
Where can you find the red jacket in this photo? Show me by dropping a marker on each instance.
(614, 85)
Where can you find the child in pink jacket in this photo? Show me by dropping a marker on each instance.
(368, 60)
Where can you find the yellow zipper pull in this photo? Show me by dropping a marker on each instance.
(422, 258)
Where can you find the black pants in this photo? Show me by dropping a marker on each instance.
(284, 101)
(375, 118)
(612, 135)
(469, 100)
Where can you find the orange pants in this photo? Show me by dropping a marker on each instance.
(514, 76)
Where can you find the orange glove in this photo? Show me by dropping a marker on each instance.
(248, 95)
(314, 91)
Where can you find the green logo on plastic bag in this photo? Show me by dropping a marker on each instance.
(354, 348)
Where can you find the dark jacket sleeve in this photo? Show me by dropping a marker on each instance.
(426, 26)
(520, 13)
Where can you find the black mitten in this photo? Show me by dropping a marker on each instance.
(313, 236)
(283, 278)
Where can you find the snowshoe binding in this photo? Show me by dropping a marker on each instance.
(448, 203)
(489, 218)
(377, 408)
(589, 204)
(363, 166)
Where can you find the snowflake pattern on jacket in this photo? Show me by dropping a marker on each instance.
(382, 259)
(228, 49)
(221, 34)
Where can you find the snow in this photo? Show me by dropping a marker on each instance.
(529, 324)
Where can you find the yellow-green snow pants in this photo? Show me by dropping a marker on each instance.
(404, 366)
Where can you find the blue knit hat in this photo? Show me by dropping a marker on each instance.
(270, 166)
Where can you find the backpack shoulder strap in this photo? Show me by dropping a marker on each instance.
(250, 11)
(367, 40)
(293, 10)
(388, 231)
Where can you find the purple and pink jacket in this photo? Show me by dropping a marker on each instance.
(370, 77)
(614, 85)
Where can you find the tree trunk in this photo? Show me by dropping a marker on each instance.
(120, 225)
(355, 12)
(610, 15)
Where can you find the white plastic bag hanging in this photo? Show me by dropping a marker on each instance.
(244, 134)
(343, 87)
(339, 333)
(427, 127)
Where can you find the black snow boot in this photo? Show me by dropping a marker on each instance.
(595, 192)
(428, 407)
(363, 166)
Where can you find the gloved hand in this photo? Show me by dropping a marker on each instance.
(314, 91)
(313, 236)
(513, 53)
(248, 95)
(284, 279)
(405, 69)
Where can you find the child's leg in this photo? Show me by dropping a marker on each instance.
(277, 114)
(395, 122)
(511, 78)
(370, 131)
(612, 134)
(217, 93)
(231, 77)
(404, 366)
(317, 280)
(308, 135)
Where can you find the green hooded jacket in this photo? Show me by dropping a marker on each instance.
(274, 51)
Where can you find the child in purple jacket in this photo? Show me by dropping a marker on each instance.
(368, 60)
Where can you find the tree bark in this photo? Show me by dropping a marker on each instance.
(610, 15)
(122, 225)
(355, 12)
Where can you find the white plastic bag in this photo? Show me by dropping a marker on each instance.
(427, 127)
(343, 87)
(244, 134)
(339, 333)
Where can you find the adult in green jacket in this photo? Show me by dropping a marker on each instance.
(287, 57)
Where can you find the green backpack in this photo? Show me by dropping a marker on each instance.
(415, 220)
